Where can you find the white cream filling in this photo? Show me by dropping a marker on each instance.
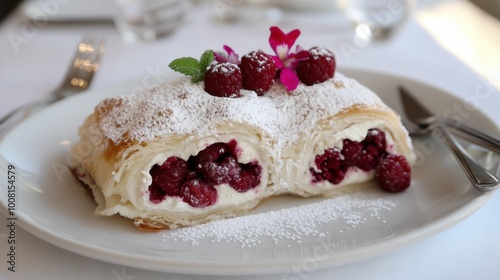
(226, 196)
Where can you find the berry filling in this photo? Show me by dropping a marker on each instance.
(392, 171)
(194, 180)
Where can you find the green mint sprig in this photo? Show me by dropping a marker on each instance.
(192, 67)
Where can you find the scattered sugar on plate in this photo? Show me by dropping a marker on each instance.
(288, 224)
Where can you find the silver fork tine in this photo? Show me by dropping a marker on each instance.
(78, 78)
(95, 59)
(80, 54)
(83, 67)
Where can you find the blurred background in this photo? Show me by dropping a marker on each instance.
(490, 6)
(6, 6)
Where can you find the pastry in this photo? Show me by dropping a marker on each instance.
(186, 153)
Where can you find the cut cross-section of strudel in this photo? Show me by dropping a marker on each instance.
(344, 133)
(185, 153)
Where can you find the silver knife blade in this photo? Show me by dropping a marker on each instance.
(422, 118)
(415, 111)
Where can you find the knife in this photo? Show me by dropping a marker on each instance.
(479, 176)
(424, 119)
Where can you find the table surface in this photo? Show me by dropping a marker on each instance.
(448, 44)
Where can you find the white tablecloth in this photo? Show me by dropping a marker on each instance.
(435, 47)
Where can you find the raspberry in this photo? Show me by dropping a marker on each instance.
(170, 175)
(232, 168)
(331, 166)
(248, 178)
(221, 171)
(258, 71)
(330, 159)
(352, 152)
(394, 173)
(209, 154)
(376, 138)
(374, 146)
(198, 193)
(223, 80)
(318, 67)
(369, 159)
(156, 194)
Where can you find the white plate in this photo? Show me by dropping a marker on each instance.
(52, 205)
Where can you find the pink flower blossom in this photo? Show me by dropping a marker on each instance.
(229, 56)
(285, 60)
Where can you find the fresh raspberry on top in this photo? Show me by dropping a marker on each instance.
(223, 80)
(258, 70)
(394, 173)
(318, 67)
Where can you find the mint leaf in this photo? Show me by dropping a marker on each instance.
(186, 65)
(206, 58)
(191, 67)
(200, 76)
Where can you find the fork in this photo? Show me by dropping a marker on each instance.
(78, 78)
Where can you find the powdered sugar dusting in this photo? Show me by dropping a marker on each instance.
(225, 68)
(291, 225)
(183, 108)
(321, 52)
